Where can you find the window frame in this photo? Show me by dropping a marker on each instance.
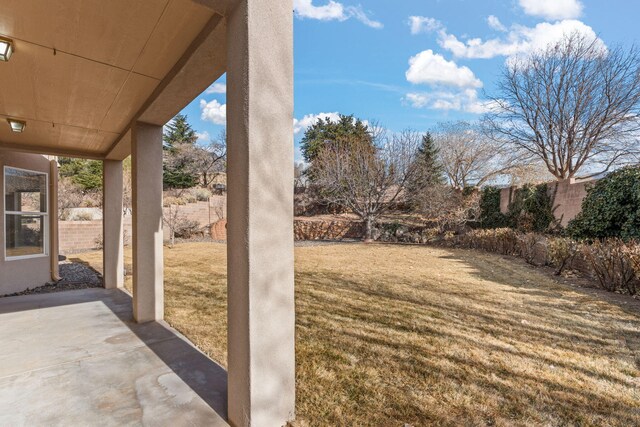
(44, 215)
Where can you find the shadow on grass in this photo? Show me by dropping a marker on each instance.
(466, 353)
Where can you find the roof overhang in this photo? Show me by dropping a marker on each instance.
(84, 70)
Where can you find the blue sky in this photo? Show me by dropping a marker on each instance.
(415, 63)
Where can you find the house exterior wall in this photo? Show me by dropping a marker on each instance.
(21, 274)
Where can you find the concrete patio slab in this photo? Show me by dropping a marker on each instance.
(77, 358)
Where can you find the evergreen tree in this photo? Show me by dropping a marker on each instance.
(429, 169)
(87, 174)
(325, 131)
(177, 132)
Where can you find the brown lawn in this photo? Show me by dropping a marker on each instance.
(388, 335)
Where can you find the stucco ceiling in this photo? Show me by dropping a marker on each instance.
(83, 69)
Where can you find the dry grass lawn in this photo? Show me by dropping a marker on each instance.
(388, 335)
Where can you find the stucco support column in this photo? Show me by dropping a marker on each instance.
(112, 224)
(54, 245)
(261, 316)
(146, 170)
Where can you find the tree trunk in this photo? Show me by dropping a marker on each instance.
(368, 229)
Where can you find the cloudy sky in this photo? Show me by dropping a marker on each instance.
(414, 63)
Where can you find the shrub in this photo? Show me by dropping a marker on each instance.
(527, 244)
(83, 216)
(611, 264)
(611, 208)
(173, 201)
(185, 228)
(499, 240)
(561, 251)
(202, 194)
(531, 209)
(490, 215)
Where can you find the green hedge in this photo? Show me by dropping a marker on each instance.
(611, 208)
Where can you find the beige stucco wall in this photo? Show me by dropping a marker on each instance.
(18, 275)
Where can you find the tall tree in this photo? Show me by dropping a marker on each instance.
(429, 170)
(178, 135)
(199, 161)
(470, 158)
(86, 174)
(178, 131)
(574, 104)
(346, 129)
(366, 178)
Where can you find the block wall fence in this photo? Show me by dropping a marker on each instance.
(80, 236)
(568, 198)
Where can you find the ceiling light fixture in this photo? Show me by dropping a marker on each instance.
(17, 125)
(6, 49)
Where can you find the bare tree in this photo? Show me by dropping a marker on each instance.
(69, 196)
(469, 157)
(572, 104)
(364, 177)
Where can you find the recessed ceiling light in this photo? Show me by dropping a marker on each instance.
(17, 125)
(6, 49)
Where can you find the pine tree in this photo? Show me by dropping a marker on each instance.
(430, 171)
(177, 132)
(428, 157)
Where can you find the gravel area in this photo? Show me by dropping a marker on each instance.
(74, 276)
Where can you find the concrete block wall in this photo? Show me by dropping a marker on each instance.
(569, 195)
(79, 236)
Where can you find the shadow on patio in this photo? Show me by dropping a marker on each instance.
(77, 358)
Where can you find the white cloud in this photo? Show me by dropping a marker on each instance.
(495, 23)
(333, 11)
(432, 69)
(358, 13)
(423, 24)
(518, 40)
(203, 138)
(213, 112)
(465, 100)
(310, 119)
(217, 88)
(552, 9)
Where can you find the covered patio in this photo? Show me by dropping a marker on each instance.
(99, 79)
(80, 359)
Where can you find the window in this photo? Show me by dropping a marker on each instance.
(26, 213)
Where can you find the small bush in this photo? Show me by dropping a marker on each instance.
(561, 251)
(611, 264)
(83, 216)
(173, 201)
(186, 229)
(500, 240)
(202, 194)
(527, 246)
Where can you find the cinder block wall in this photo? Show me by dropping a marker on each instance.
(79, 236)
(568, 198)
